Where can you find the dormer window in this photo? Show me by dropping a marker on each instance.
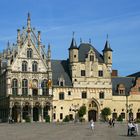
(91, 58)
(29, 53)
(121, 89)
(61, 81)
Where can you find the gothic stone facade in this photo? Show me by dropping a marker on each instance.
(32, 86)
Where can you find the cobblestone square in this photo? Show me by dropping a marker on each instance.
(63, 131)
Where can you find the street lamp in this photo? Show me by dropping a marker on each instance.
(128, 109)
(75, 109)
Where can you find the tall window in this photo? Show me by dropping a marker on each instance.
(44, 87)
(101, 95)
(24, 87)
(83, 73)
(29, 53)
(34, 66)
(14, 87)
(61, 96)
(100, 73)
(84, 95)
(24, 66)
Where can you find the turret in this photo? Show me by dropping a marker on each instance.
(73, 51)
(107, 54)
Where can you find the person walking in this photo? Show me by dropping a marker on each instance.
(129, 130)
(92, 125)
(136, 127)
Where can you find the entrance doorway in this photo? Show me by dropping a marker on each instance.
(92, 115)
(26, 112)
(36, 114)
(15, 113)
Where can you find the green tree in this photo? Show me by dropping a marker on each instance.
(105, 113)
(82, 111)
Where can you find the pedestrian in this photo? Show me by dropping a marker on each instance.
(136, 127)
(110, 122)
(129, 130)
(92, 125)
(113, 122)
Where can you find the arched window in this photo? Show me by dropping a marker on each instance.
(34, 66)
(24, 66)
(14, 87)
(24, 87)
(29, 53)
(44, 87)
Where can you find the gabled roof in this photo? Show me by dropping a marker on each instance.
(128, 82)
(60, 68)
(84, 48)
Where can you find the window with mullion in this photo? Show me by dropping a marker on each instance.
(29, 53)
(44, 87)
(24, 66)
(14, 87)
(34, 66)
(24, 87)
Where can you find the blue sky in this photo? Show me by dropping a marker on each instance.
(57, 19)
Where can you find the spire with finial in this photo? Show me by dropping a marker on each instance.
(80, 40)
(29, 29)
(49, 51)
(73, 42)
(89, 40)
(29, 22)
(39, 38)
(18, 37)
(107, 45)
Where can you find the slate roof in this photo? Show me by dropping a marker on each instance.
(107, 47)
(60, 68)
(127, 81)
(73, 44)
(84, 49)
(137, 74)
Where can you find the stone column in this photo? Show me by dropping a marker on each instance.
(31, 117)
(21, 113)
(42, 112)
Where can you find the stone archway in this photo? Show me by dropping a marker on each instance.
(26, 112)
(94, 110)
(16, 109)
(46, 110)
(36, 112)
(92, 115)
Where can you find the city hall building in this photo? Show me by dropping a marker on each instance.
(33, 85)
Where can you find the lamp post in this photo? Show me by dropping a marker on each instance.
(128, 109)
(75, 109)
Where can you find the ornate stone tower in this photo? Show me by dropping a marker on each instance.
(107, 55)
(73, 51)
(73, 56)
